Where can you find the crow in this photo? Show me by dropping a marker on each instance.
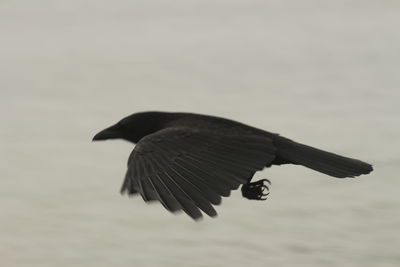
(188, 161)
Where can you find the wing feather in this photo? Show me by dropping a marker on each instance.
(164, 195)
(192, 173)
(190, 170)
(182, 199)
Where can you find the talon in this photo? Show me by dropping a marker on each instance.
(266, 180)
(256, 190)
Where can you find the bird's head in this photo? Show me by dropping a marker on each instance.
(133, 127)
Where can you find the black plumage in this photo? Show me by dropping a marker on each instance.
(188, 161)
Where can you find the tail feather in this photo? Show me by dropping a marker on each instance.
(319, 160)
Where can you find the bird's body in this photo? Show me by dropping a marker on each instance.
(188, 161)
(151, 122)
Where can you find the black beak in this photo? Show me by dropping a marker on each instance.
(112, 132)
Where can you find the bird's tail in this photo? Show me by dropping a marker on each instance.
(319, 160)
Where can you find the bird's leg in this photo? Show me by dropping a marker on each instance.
(257, 190)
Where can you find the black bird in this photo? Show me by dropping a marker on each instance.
(188, 161)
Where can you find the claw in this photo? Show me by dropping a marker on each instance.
(264, 188)
(266, 180)
(257, 190)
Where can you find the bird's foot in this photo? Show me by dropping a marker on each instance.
(257, 190)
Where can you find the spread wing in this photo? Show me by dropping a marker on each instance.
(190, 170)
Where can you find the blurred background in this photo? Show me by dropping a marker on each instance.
(325, 73)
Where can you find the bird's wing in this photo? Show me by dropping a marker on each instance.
(189, 170)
